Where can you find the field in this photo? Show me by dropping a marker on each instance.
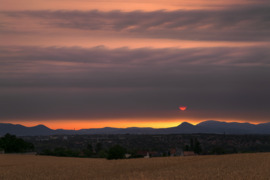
(237, 166)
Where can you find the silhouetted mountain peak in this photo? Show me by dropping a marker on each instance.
(185, 124)
(41, 125)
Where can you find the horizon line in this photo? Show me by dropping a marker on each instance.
(74, 129)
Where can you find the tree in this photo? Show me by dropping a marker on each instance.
(187, 148)
(197, 147)
(116, 152)
(12, 144)
(191, 144)
(98, 147)
(218, 150)
(89, 151)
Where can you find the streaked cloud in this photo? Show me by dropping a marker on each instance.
(124, 5)
(103, 83)
(248, 23)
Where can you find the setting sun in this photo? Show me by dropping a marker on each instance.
(182, 108)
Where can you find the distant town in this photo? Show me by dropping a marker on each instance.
(139, 146)
(205, 138)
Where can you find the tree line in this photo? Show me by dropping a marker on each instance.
(11, 144)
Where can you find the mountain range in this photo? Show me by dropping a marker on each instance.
(210, 127)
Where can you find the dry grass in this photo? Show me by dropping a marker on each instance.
(238, 166)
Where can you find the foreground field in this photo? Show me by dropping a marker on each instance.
(237, 166)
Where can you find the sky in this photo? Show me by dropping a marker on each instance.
(125, 63)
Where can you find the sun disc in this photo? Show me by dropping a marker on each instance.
(182, 108)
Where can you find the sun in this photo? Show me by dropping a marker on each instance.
(182, 108)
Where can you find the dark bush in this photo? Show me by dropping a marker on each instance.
(116, 152)
(12, 144)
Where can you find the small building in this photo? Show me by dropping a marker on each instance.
(155, 154)
(65, 138)
(176, 152)
(127, 156)
(147, 155)
(189, 153)
(142, 153)
(53, 137)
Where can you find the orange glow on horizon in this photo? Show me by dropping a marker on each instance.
(84, 124)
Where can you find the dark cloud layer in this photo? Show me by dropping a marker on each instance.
(243, 23)
(74, 82)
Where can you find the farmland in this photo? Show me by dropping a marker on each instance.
(234, 166)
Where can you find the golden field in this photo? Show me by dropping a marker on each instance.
(236, 166)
